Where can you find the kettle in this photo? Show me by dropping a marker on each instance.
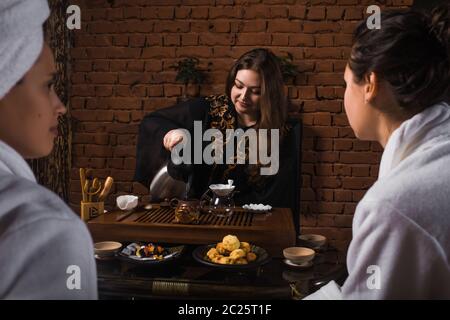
(163, 186)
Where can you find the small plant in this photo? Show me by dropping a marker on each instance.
(188, 72)
(288, 68)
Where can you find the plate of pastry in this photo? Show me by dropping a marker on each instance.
(231, 254)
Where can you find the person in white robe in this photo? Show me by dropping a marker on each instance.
(397, 94)
(46, 251)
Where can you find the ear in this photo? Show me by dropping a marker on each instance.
(371, 87)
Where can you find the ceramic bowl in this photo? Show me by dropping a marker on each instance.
(314, 240)
(299, 255)
(106, 248)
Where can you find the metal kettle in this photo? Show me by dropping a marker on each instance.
(164, 187)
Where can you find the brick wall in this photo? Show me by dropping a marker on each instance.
(121, 70)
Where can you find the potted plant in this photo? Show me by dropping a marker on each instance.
(188, 73)
(288, 68)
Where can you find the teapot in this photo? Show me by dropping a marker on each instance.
(218, 199)
(186, 211)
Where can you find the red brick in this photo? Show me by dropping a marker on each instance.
(361, 171)
(171, 40)
(182, 12)
(357, 183)
(225, 12)
(254, 26)
(172, 90)
(122, 116)
(297, 12)
(131, 26)
(320, 27)
(316, 13)
(358, 195)
(324, 40)
(325, 105)
(335, 13)
(278, 12)
(280, 39)
(284, 26)
(324, 66)
(325, 93)
(355, 13)
(343, 144)
(98, 151)
(303, 40)
(343, 195)
(323, 53)
(200, 12)
(115, 163)
(344, 220)
(189, 39)
(158, 52)
(324, 195)
(124, 151)
(118, 65)
(307, 92)
(359, 157)
(102, 77)
(330, 208)
(130, 163)
(326, 79)
(257, 39)
(324, 145)
(211, 39)
(199, 52)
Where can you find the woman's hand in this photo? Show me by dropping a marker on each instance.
(172, 138)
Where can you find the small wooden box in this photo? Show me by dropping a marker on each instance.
(90, 210)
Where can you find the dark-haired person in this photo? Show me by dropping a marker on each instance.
(46, 251)
(397, 86)
(254, 99)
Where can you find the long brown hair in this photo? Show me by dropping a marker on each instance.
(273, 101)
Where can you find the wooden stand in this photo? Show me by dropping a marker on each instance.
(272, 231)
(91, 210)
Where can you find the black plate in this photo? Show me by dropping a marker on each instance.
(263, 257)
(176, 250)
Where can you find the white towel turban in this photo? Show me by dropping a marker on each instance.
(21, 38)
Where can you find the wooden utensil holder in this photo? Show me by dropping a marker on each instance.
(90, 210)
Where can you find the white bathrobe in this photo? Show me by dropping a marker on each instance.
(46, 251)
(401, 228)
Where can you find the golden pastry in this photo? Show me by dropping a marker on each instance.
(221, 249)
(246, 247)
(251, 256)
(236, 254)
(241, 261)
(212, 253)
(231, 243)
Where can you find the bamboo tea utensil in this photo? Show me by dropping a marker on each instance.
(82, 181)
(94, 189)
(106, 189)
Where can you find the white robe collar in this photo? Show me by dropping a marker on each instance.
(417, 131)
(13, 163)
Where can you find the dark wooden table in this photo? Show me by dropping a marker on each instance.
(186, 278)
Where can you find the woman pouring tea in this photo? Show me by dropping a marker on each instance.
(254, 106)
